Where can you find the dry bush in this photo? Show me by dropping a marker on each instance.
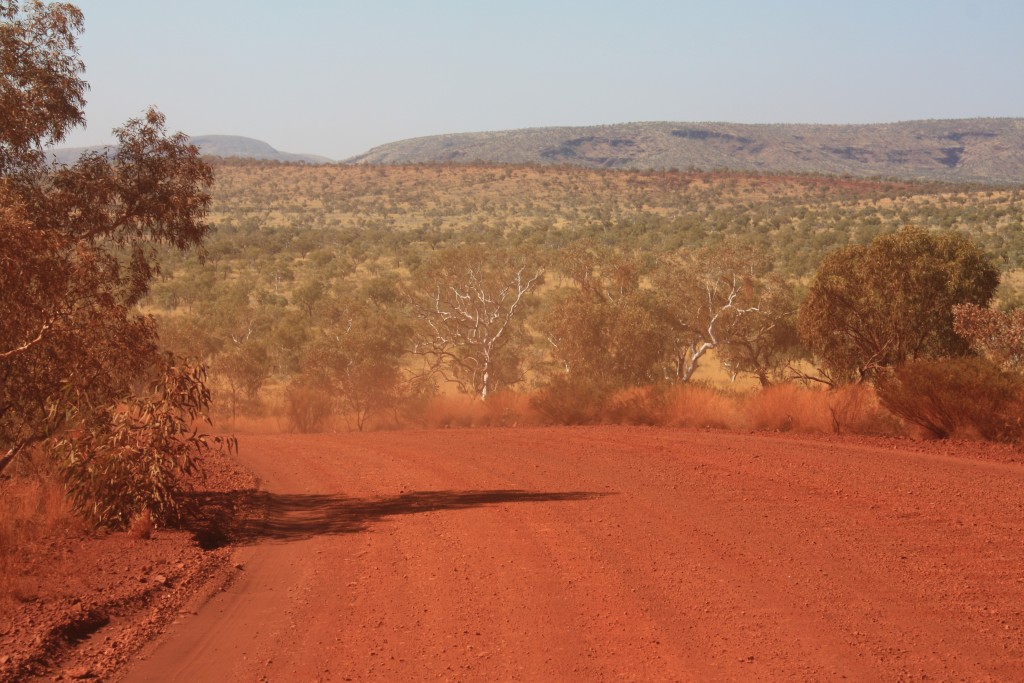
(697, 405)
(961, 397)
(33, 508)
(501, 409)
(637, 406)
(788, 407)
(856, 409)
(308, 407)
(141, 526)
(684, 405)
(458, 410)
(510, 409)
(571, 401)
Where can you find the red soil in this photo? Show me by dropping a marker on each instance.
(613, 553)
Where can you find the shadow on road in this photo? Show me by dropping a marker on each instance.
(250, 516)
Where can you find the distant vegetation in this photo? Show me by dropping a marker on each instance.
(976, 150)
(362, 291)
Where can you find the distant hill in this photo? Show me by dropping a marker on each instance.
(214, 146)
(978, 150)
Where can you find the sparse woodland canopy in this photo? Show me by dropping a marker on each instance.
(78, 253)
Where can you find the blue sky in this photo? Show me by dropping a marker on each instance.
(339, 77)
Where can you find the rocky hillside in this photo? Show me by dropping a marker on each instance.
(978, 150)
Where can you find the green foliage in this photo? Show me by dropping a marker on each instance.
(720, 299)
(137, 457)
(428, 208)
(967, 397)
(606, 328)
(879, 306)
(359, 360)
(299, 242)
(244, 369)
(336, 227)
(764, 341)
(613, 342)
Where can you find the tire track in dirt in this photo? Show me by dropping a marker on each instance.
(615, 554)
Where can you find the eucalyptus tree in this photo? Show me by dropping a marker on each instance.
(79, 252)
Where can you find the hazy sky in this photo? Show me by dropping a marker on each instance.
(339, 77)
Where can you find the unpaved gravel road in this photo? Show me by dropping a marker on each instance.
(614, 553)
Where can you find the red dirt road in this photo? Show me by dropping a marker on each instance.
(615, 553)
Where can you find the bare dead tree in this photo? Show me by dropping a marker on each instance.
(705, 297)
(470, 318)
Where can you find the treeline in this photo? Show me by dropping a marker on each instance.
(280, 226)
(577, 325)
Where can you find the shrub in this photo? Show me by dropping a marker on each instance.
(788, 407)
(966, 397)
(697, 405)
(637, 406)
(135, 459)
(509, 409)
(308, 407)
(570, 401)
(457, 410)
(855, 409)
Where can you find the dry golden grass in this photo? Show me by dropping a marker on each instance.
(503, 409)
(788, 407)
(852, 409)
(33, 510)
(701, 406)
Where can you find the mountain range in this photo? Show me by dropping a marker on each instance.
(989, 150)
(225, 146)
(983, 150)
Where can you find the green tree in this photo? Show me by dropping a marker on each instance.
(764, 340)
(878, 306)
(244, 369)
(307, 296)
(360, 361)
(606, 330)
